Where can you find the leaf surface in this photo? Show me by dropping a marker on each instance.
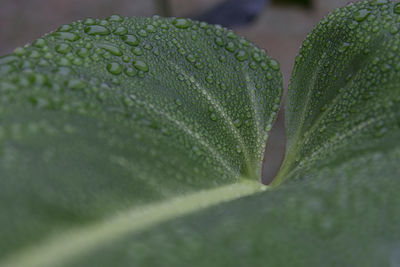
(339, 203)
(344, 92)
(111, 126)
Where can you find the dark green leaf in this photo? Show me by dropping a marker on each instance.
(111, 126)
(340, 204)
(344, 94)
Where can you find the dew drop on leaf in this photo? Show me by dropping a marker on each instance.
(121, 30)
(241, 55)
(181, 23)
(65, 28)
(256, 56)
(83, 52)
(97, 30)
(191, 58)
(130, 71)
(396, 8)
(230, 46)
(361, 14)
(69, 36)
(141, 65)
(63, 48)
(114, 68)
(115, 18)
(111, 48)
(219, 41)
(39, 42)
(273, 64)
(142, 33)
(137, 51)
(213, 117)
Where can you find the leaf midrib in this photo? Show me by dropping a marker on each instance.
(82, 240)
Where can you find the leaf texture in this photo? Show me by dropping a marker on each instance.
(103, 119)
(339, 203)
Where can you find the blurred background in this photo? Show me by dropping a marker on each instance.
(278, 26)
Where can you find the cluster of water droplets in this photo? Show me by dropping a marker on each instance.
(200, 86)
(353, 82)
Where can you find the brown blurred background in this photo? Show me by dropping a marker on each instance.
(279, 27)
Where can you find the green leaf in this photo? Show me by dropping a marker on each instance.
(344, 93)
(339, 205)
(109, 127)
(337, 216)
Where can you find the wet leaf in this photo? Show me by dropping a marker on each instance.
(130, 121)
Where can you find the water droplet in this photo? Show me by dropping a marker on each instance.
(34, 54)
(111, 48)
(181, 23)
(120, 30)
(130, 71)
(97, 30)
(394, 29)
(237, 123)
(361, 14)
(69, 36)
(273, 64)
(396, 8)
(63, 71)
(130, 39)
(219, 41)
(65, 28)
(19, 51)
(191, 58)
(114, 68)
(150, 28)
(198, 65)
(343, 47)
(63, 48)
(221, 58)
(148, 46)
(164, 26)
(103, 22)
(8, 59)
(256, 56)
(83, 52)
(210, 78)
(230, 46)
(125, 58)
(40, 42)
(241, 55)
(213, 117)
(75, 84)
(353, 24)
(137, 51)
(156, 52)
(178, 102)
(386, 67)
(268, 75)
(141, 65)
(89, 21)
(115, 18)
(142, 33)
(63, 61)
(77, 61)
(231, 35)
(379, 2)
(204, 25)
